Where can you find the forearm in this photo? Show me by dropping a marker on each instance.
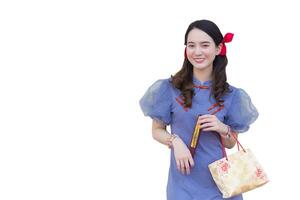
(161, 135)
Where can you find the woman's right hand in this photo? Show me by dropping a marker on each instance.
(183, 157)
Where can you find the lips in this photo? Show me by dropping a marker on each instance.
(198, 60)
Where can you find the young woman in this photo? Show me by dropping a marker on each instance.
(198, 94)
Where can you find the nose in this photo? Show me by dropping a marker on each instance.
(198, 51)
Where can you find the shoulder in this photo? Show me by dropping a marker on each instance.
(162, 85)
(231, 93)
(241, 112)
(161, 88)
(235, 94)
(166, 82)
(235, 91)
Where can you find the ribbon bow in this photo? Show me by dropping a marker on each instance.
(227, 38)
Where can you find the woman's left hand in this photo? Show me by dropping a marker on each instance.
(212, 123)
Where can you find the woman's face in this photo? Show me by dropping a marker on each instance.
(201, 49)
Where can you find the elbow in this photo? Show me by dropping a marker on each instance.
(154, 134)
(230, 146)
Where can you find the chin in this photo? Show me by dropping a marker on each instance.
(200, 66)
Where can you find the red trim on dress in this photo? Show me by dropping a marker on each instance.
(181, 103)
(201, 86)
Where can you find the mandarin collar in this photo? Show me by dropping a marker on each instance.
(197, 82)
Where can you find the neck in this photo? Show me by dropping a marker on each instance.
(203, 74)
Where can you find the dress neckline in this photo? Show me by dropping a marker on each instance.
(197, 82)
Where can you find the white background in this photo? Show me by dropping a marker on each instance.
(72, 73)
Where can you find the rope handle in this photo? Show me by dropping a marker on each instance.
(238, 145)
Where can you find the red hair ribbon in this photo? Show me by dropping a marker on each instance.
(227, 38)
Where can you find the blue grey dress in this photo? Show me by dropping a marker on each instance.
(163, 102)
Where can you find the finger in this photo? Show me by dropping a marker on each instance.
(208, 125)
(191, 161)
(178, 164)
(203, 121)
(213, 116)
(182, 167)
(201, 117)
(204, 116)
(208, 117)
(187, 166)
(210, 129)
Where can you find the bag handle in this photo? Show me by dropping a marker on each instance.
(238, 146)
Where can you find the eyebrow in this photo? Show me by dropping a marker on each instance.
(204, 42)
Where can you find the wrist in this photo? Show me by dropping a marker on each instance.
(171, 139)
(227, 133)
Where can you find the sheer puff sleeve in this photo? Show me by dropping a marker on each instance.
(241, 112)
(157, 101)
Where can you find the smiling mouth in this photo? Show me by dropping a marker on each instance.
(199, 60)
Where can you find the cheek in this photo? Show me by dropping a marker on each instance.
(211, 53)
(208, 53)
(189, 53)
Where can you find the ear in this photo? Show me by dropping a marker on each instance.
(218, 49)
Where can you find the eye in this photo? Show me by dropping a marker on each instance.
(191, 46)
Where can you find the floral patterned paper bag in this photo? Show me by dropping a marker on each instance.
(237, 173)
